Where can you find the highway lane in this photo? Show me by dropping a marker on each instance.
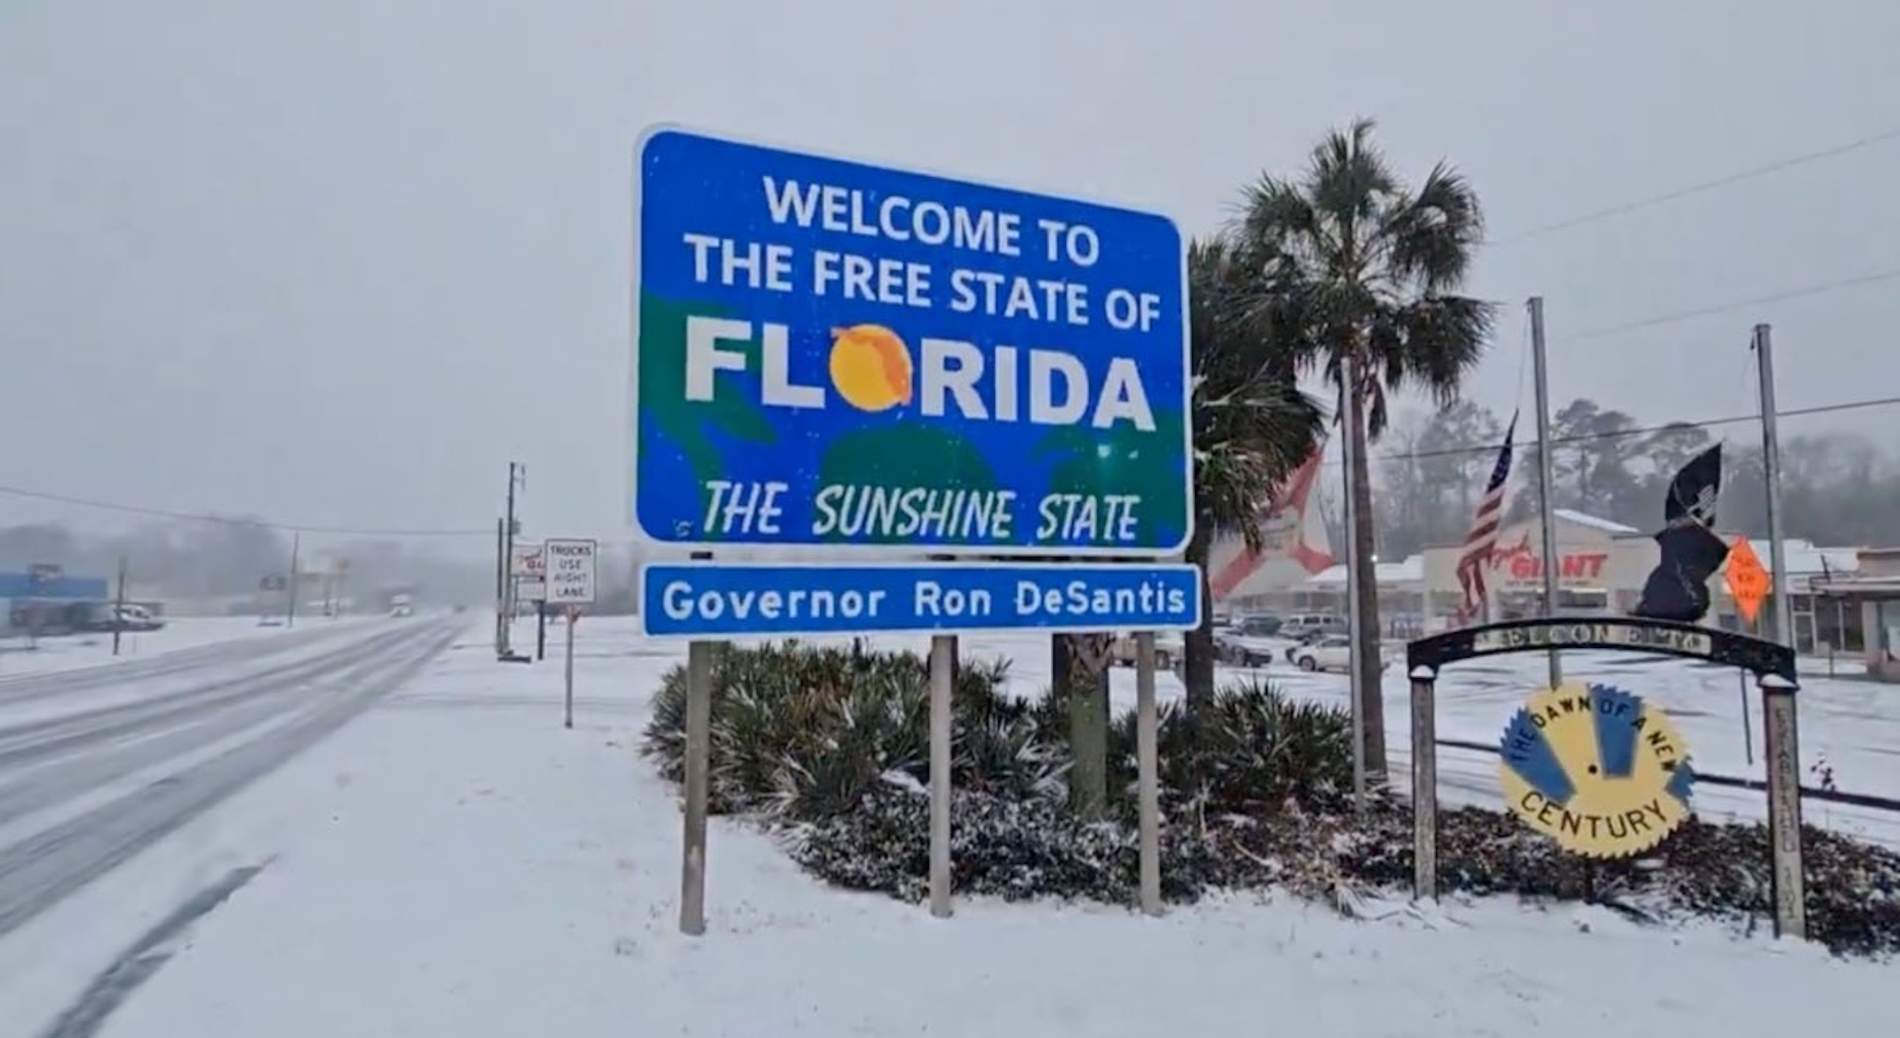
(124, 763)
(69, 682)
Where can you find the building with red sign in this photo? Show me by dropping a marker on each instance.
(1601, 566)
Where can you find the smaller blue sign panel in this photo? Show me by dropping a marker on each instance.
(710, 599)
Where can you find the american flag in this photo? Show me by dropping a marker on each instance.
(1483, 537)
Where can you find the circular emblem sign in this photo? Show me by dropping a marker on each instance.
(1597, 769)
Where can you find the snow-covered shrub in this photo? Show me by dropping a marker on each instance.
(800, 732)
(804, 732)
(999, 846)
(1253, 752)
(834, 749)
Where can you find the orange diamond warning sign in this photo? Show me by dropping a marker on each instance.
(1747, 580)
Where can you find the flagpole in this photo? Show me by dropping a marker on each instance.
(1536, 304)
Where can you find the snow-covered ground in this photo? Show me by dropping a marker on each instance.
(23, 656)
(455, 862)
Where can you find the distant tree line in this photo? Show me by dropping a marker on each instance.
(1837, 488)
(184, 560)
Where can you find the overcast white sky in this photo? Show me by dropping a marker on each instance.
(338, 262)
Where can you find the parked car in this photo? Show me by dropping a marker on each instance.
(1250, 642)
(1330, 652)
(1170, 650)
(1263, 625)
(1300, 625)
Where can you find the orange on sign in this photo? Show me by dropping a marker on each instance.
(1747, 580)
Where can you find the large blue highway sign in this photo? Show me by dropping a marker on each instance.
(711, 600)
(830, 353)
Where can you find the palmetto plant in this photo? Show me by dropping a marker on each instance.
(1372, 268)
(1252, 425)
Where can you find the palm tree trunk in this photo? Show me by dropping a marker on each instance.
(1371, 696)
(1199, 643)
(1085, 691)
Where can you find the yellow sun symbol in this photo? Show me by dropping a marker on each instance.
(870, 366)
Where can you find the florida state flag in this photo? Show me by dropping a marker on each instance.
(1290, 528)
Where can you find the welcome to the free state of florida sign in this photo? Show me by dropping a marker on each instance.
(830, 353)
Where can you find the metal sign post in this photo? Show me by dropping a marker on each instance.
(698, 749)
(1424, 784)
(1148, 792)
(941, 664)
(573, 617)
(1781, 750)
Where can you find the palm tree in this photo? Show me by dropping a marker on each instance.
(1374, 268)
(1252, 425)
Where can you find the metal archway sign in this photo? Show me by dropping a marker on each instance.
(1772, 664)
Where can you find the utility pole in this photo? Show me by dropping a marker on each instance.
(290, 613)
(508, 566)
(118, 611)
(501, 581)
(1536, 304)
(1771, 470)
(1780, 731)
(1349, 405)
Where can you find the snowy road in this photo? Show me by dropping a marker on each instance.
(97, 763)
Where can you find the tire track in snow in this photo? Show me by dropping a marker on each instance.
(38, 871)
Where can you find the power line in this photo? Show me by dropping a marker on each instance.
(166, 513)
(1699, 187)
(1561, 441)
(1679, 316)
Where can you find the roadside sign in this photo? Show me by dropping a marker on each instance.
(1596, 769)
(711, 599)
(571, 570)
(833, 353)
(526, 560)
(531, 589)
(1747, 579)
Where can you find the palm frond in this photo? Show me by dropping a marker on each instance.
(1434, 342)
(1431, 236)
(1252, 425)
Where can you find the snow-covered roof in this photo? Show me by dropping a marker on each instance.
(1595, 522)
(1387, 574)
(1804, 557)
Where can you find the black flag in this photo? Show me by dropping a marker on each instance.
(1678, 589)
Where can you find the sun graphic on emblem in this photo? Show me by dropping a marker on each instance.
(870, 366)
